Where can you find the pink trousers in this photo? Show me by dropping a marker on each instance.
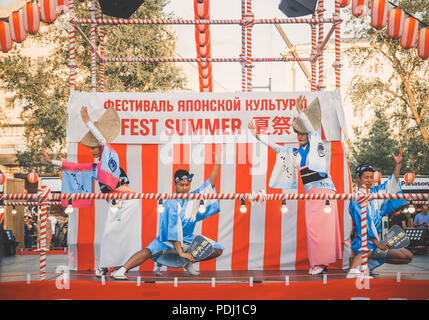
(323, 231)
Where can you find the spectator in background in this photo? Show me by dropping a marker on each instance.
(397, 217)
(3, 237)
(63, 236)
(48, 233)
(421, 220)
(409, 216)
(28, 232)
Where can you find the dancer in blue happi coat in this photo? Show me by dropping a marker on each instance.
(379, 251)
(176, 226)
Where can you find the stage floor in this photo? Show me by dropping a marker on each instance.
(244, 276)
(18, 268)
(20, 280)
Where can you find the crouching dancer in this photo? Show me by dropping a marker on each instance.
(176, 226)
(379, 251)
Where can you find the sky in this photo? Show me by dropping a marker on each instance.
(226, 39)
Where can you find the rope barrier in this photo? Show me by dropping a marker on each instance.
(27, 203)
(363, 196)
(243, 22)
(243, 55)
(221, 196)
(337, 64)
(249, 19)
(242, 59)
(42, 195)
(72, 50)
(363, 200)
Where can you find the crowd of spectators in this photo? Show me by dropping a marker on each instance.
(56, 230)
(406, 219)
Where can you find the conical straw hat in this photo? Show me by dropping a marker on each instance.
(109, 125)
(313, 114)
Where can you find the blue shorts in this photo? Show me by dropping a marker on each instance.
(157, 246)
(372, 262)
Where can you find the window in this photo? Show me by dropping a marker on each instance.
(9, 103)
(13, 131)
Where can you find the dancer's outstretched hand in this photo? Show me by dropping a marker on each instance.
(45, 156)
(398, 158)
(252, 128)
(84, 114)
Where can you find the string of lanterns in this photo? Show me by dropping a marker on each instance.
(26, 20)
(398, 25)
(203, 44)
(409, 177)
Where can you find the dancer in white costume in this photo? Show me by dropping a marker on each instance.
(323, 230)
(122, 233)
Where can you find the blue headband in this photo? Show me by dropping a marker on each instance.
(362, 168)
(185, 177)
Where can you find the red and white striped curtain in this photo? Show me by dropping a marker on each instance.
(261, 239)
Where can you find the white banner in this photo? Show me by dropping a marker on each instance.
(419, 185)
(158, 118)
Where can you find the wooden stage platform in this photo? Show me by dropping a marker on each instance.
(257, 276)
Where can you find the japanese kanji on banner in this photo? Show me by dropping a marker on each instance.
(163, 132)
(156, 118)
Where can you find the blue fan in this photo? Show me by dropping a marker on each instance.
(200, 249)
(397, 238)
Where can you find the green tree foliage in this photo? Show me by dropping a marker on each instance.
(44, 83)
(375, 148)
(397, 82)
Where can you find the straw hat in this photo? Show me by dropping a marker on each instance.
(313, 114)
(108, 125)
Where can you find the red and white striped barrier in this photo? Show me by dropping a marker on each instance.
(29, 203)
(320, 46)
(43, 195)
(241, 59)
(102, 63)
(211, 21)
(248, 22)
(220, 196)
(363, 196)
(45, 198)
(93, 39)
(72, 50)
(337, 63)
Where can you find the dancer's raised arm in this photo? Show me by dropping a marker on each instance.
(253, 130)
